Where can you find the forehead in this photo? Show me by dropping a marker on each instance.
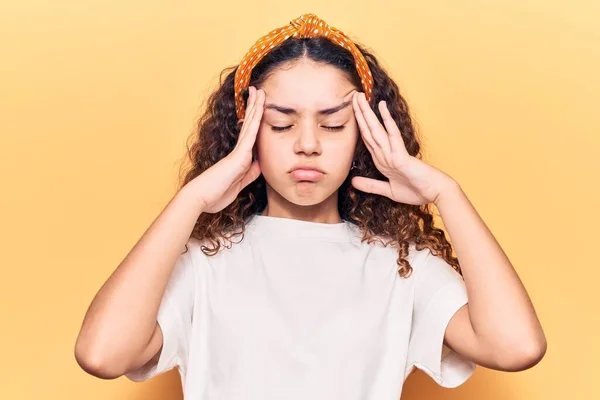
(307, 85)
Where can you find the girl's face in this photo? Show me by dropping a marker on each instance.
(307, 134)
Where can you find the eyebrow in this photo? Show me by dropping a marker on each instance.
(288, 111)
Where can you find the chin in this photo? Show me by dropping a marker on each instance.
(304, 193)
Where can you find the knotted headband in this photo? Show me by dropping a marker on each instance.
(305, 26)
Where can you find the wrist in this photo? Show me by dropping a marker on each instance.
(192, 191)
(448, 187)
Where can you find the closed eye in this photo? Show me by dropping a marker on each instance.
(329, 128)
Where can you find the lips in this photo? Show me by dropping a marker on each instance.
(306, 174)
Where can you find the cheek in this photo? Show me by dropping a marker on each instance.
(270, 154)
(264, 144)
(342, 149)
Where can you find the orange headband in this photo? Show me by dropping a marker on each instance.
(306, 26)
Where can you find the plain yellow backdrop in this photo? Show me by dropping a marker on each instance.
(98, 97)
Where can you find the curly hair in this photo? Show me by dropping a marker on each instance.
(377, 216)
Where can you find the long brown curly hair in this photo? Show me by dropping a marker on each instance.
(377, 216)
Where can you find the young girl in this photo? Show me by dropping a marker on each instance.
(299, 259)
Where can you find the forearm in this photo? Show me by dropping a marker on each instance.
(122, 317)
(500, 310)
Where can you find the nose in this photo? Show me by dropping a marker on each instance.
(307, 141)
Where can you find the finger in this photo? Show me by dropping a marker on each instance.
(248, 115)
(369, 185)
(249, 104)
(380, 136)
(373, 148)
(395, 136)
(362, 124)
(251, 99)
(254, 122)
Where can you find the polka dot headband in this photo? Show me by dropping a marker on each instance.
(305, 26)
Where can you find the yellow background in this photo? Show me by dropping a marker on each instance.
(98, 97)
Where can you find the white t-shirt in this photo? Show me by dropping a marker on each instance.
(304, 310)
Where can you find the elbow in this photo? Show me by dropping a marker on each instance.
(526, 356)
(95, 364)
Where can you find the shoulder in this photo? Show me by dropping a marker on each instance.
(386, 244)
(433, 271)
(191, 256)
(422, 260)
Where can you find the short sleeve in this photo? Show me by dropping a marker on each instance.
(439, 293)
(175, 320)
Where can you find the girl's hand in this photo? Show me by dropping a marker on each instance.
(219, 185)
(411, 181)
